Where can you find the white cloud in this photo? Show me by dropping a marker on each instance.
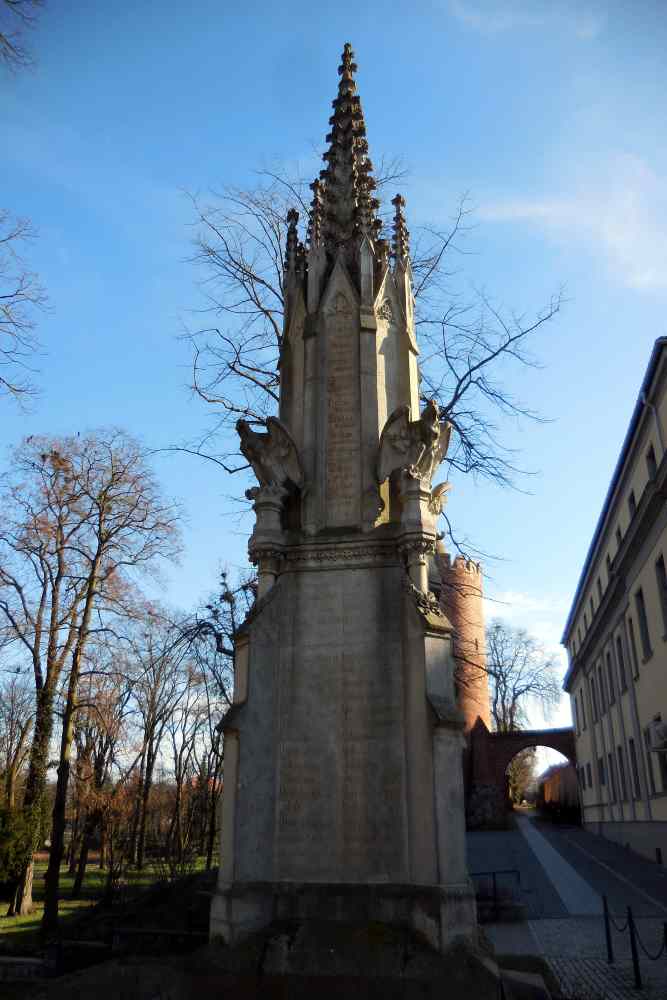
(620, 211)
(491, 17)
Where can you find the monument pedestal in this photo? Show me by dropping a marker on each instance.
(438, 914)
(343, 796)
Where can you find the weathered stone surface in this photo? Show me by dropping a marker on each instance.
(343, 795)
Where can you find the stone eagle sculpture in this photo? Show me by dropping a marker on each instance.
(417, 446)
(273, 456)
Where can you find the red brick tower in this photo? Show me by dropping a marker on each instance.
(461, 599)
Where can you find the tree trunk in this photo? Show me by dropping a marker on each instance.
(74, 840)
(145, 793)
(50, 918)
(52, 888)
(136, 814)
(10, 786)
(103, 843)
(86, 839)
(21, 903)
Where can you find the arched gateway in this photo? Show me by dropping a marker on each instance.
(490, 755)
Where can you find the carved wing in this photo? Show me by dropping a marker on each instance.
(284, 455)
(443, 442)
(249, 449)
(395, 443)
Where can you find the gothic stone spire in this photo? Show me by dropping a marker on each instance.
(348, 207)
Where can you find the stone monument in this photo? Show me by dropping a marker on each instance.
(343, 789)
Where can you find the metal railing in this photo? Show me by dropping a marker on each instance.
(489, 889)
(636, 942)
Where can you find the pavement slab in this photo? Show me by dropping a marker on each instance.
(576, 893)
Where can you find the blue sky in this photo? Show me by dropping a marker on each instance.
(550, 114)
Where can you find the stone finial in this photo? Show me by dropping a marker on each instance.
(401, 236)
(292, 240)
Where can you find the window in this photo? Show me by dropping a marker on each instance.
(621, 664)
(579, 637)
(643, 624)
(619, 538)
(583, 709)
(610, 680)
(592, 610)
(633, 647)
(651, 464)
(603, 698)
(574, 714)
(662, 760)
(612, 778)
(585, 622)
(661, 577)
(589, 775)
(601, 774)
(632, 504)
(599, 590)
(608, 562)
(634, 768)
(649, 761)
(594, 700)
(621, 773)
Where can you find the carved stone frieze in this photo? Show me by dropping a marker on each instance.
(343, 553)
(419, 545)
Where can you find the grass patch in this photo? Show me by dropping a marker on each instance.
(20, 935)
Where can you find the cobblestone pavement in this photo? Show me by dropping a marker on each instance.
(575, 948)
(592, 979)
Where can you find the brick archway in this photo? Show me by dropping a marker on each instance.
(502, 747)
(491, 753)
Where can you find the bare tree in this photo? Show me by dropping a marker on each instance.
(21, 297)
(16, 708)
(467, 339)
(156, 695)
(16, 17)
(520, 671)
(81, 517)
(183, 728)
(103, 708)
(521, 774)
(209, 637)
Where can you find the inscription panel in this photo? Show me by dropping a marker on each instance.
(343, 474)
(340, 782)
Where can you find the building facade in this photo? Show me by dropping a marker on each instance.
(616, 638)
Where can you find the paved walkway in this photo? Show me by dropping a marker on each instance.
(573, 869)
(577, 895)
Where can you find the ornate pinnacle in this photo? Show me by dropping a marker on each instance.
(348, 207)
(292, 239)
(316, 213)
(401, 237)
